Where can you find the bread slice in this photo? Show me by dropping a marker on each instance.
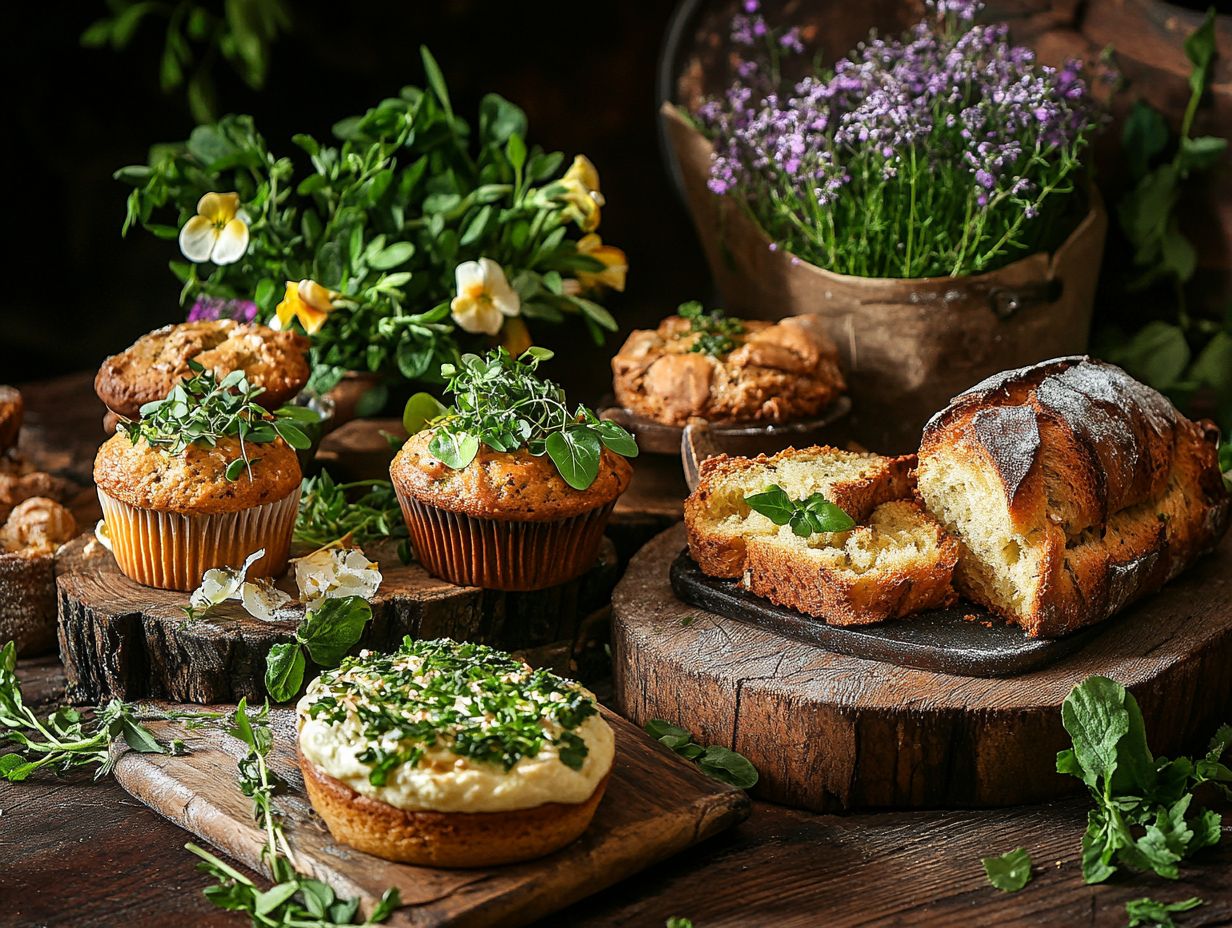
(720, 523)
(445, 839)
(899, 563)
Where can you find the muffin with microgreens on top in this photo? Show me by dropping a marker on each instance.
(203, 479)
(509, 488)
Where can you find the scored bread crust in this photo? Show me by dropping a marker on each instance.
(721, 554)
(1101, 481)
(445, 839)
(785, 576)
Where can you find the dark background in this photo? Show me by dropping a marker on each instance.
(76, 291)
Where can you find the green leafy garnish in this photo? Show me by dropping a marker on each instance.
(203, 410)
(1147, 911)
(325, 634)
(1010, 872)
(678, 921)
(715, 761)
(806, 517)
(500, 402)
(366, 510)
(713, 329)
(1143, 818)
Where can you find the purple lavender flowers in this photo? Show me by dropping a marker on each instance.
(948, 151)
(211, 308)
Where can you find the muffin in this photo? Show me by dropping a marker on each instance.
(11, 408)
(29, 539)
(146, 371)
(203, 480)
(452, 755)
(727, 370)
(19, 481)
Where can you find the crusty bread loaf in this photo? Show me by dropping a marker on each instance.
(720, 522)
(899, 563)
(444, 839)
(1073, 488)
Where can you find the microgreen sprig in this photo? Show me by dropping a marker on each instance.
(203, 410)
(715, 761)
(713, 329)
(366, 510)
(325, 634)
(806, 516)
(500, 402)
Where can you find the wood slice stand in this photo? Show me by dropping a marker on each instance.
(830, 732)
(120, 639)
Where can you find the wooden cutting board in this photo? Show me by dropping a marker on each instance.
(656, 805)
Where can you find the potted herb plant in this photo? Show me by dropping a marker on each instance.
(925, 195)
(411, 236)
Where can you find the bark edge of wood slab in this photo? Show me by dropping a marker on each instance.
(831, 732)
(656, 805)
(119, 639)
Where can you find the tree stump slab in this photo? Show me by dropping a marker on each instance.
(833, 732)
(123, 640)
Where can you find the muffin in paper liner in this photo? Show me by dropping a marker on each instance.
(172, 550)
(503, 554)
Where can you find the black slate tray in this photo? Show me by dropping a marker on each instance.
(940, 640)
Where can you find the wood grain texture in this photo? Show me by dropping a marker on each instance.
(832, 732)
(118, 638)
(656, 805)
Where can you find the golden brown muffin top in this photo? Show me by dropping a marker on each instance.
(194, 481)
(156, 362)
(512, 485)
(37, 526)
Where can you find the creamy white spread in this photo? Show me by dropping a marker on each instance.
(439, 776)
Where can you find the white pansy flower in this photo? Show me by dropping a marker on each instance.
(334, 572)
(261, 599)
(484, 297)
(102, 534)
(219, 231)
(222, 583)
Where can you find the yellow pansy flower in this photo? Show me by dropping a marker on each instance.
(582, 194)
(616, 265)
(484, 297)
(219, 231)
(308, 302)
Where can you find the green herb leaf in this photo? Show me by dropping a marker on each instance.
(773, 503)
(1147, 911)
(453, 449)
(616, 438)
(138, 737)
(1010, 872)
(726, 765)
(421, 409)
(806, 517)
(333, 628)
(575, 452)
(284, 670)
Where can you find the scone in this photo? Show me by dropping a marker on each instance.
(1074, 490)
(146, 371)
(772, 372)
(452, 755)
(29, 538)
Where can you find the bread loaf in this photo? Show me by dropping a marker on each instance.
(1073, 488)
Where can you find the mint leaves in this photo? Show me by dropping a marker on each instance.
(713, 329)
(1147, 911)
(1010, 872)
(1144, 817)
(715, 761)
(806, 517)
(326, 634)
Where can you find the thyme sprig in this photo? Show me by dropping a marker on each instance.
(713, 329)
(203, 410)
(367, 510)
(500, 401)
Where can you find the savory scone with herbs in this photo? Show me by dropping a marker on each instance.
(452, 754)
(727, 370)
(146, 371)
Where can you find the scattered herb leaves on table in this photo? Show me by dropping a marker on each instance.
(1147, 911)
(501, 402)
(806, 516)
(325, 634)
(715, 761)
(713, 329)
(366, 510)
(1144, 817)
(1010, 872)
(678, 921)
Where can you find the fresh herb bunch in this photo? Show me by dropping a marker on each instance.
(63, 740)
(715, 761)
(713, 329)
(203, 410)
(295, 900)
(325, 634)
(500, 402)
(1181, 352)
(1147, 911)
(366, 510)
(806, 516)
(474, 700)
(945, 152)
(1010, 872)
(367, 244)
(1143, 817)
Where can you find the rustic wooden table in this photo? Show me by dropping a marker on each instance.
(83, 853)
